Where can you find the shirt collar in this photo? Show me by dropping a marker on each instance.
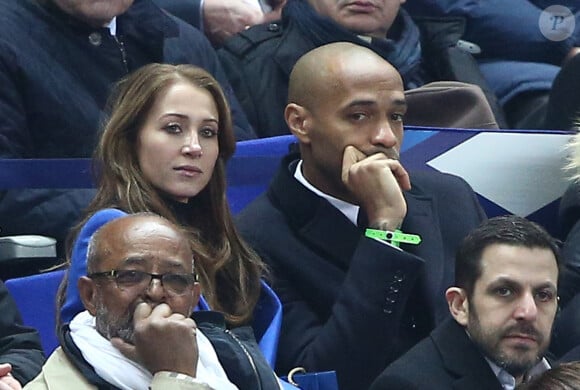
(112, 26)
(349, 210)
(508, 382)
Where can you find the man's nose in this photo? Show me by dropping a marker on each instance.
(384, 135)
(526, 308)
(155, 291)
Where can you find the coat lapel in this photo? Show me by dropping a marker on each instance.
(463, 359)
(332, 233)
(422, 219)
(314, 219)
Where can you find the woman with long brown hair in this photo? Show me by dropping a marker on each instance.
(163, 150)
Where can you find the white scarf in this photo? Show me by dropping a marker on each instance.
(111, 365)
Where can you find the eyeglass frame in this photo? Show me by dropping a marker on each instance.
(112, 275)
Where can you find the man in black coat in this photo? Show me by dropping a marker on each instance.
(503, 305)
(21, 356)
(353, 303)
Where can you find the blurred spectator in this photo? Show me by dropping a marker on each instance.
(518, 56)
(567, 331)
(565, 376)
(21, 356)
(258, 61)
(221, 19)
(58, 62)
(569, 215)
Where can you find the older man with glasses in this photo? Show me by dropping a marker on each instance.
(136, 331)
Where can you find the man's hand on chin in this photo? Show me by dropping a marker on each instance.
(164, 341)
(377, 182)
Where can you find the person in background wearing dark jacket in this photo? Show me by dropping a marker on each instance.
(258, 61)
(520, 48)
(58, 62)
(503, 304)
(564, 104)
(21, 355)
(353, 303)
(221, 19)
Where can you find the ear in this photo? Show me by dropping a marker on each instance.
(88, 293)
(298, 120)
(458, 304)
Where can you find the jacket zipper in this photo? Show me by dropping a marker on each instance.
(250, 359)
(121, 46)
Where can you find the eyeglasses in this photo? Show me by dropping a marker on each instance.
(176, 284)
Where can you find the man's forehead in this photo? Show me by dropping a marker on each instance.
(145, 239)
(519, 264)
(161, 258)
(142, 254)
(137, 228)
(380, 91)
(378, 75)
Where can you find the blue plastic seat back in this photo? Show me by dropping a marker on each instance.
(35, 296)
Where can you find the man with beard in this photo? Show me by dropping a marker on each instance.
(503, 305)
(136, 332)
(353, 303)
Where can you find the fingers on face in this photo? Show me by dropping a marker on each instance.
(374, 166)
(351, 156)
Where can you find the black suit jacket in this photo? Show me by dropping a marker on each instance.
(19, 344)
(187, 10)
(447, 359)
(353, 304)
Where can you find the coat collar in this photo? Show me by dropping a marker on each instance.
(462, 358)
(322, 226)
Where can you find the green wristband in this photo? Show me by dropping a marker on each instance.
(394, 238)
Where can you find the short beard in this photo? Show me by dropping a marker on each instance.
(121, 327)
(484, 340)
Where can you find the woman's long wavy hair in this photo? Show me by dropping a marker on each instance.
(229, 269)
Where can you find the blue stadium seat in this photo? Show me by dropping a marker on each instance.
(513, 171)
(35, 296)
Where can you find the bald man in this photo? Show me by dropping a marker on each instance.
(136, 332)
(353, 303)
